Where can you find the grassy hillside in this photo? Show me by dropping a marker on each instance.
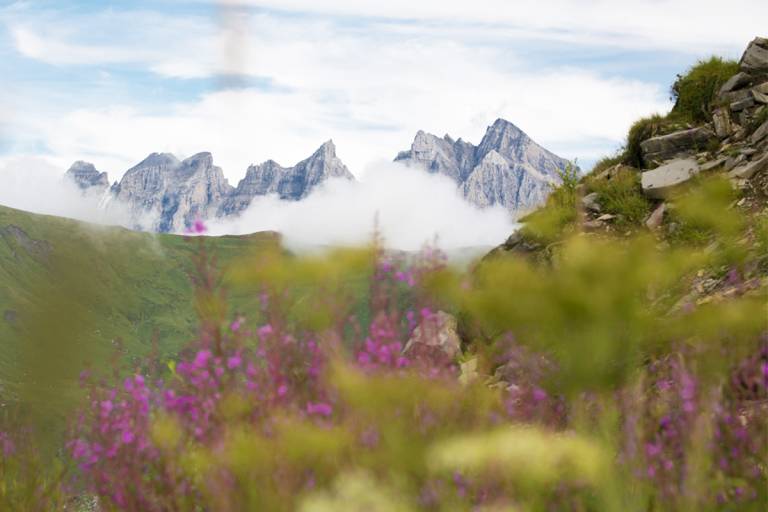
(71, 291)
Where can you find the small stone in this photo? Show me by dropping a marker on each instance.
(714, 164)
(738, 106)
(761, 88)
(745, 172)
(659, 182)
(656, 218)
(760, 97)
(606, 217)
(758, 134)
(737, 81)
(593, 225)
(589, 202)
(722, 121)
(730, 97)
(10, 316)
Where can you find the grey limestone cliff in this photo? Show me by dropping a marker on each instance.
(174, 192)
(289, 183)
(507, 168)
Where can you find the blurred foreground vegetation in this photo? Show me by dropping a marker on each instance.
(586, 378)
(581, 366)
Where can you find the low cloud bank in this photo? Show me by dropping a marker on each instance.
(34, 185)
(411, 208)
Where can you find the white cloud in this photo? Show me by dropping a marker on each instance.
(412, 208)
(680, 25)
(564, 111)
(369, 81)
(370, 92)
(33, 184)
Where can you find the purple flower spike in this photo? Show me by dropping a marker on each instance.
(319, 409)
(199, 227)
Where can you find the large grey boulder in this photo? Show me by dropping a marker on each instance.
(438, 331)
(737, 81)
(85, 176)
(660, 182)
(666, 147)
(734, 96)
(761, 88)
(288, 183)
(755, 58)
(507, 168)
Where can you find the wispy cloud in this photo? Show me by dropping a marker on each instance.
(678, 25)
(370, 85)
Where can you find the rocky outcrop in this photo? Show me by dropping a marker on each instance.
(86, 176)
(739, 131)
(17, 238)
(744, 96)
(288, 183)
(172, 192)
(755, 58)
(507, 168)
(677, 144)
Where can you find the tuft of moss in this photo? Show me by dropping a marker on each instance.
(695, 92)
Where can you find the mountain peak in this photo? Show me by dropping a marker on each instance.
(502, 124)
(506, 168)
(203, 159)
(85, 175)
(81, 166)
(158, 160)
(327, 149)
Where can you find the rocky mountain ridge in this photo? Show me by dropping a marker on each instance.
(289, 183)
(165, 194)
(507, 168)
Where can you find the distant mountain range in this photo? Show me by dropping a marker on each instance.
(165, 194)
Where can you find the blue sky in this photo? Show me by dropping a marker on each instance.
(110, 82)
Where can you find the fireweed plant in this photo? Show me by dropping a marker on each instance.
(582, 383)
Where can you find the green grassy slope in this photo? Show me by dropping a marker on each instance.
(70, 290)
